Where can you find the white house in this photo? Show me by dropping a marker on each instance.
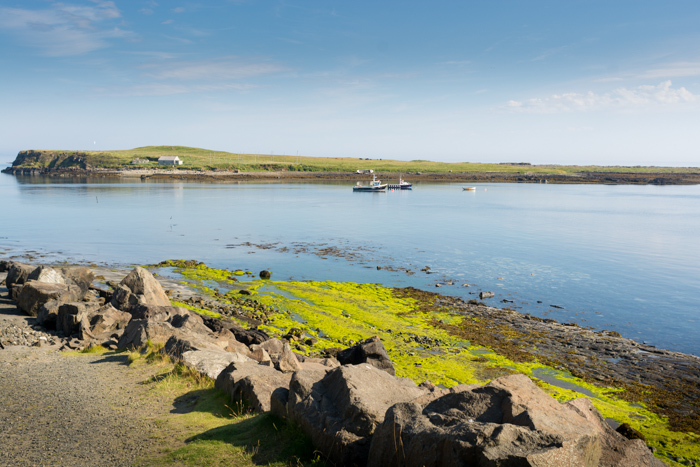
(169, 160)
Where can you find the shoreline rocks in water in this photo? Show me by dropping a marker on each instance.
(351, 407)
(587, 177)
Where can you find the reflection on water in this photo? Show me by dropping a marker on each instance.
(616, 257)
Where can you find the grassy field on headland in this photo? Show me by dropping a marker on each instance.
(203, 159)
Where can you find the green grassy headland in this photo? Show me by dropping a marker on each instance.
(204, 159)
(424, 342)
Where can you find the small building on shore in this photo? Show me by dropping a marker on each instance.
(140, 161)
(169, 160)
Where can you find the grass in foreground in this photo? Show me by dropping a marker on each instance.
(206, 429)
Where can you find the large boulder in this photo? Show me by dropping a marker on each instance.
(78, 275)
(252, 384)
(152, 325)
(156, 313)
(212, 362)
(74, 315)
(508, 422)
(123, 299)
(17, 273)
(245, 336)
(371, 351)
(177, 328)
(228, 341)
(140, 332)
(616, 448)
(280, 353)
(341, 411)
(149, 291)
(106, 321)
(35, 294)
(180, 343)
(46, 274)
(324, 364)
(47, 314)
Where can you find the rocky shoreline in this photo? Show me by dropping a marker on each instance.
(612, 178)
(265, 372)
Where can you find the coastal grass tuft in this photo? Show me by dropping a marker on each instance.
(93, 349)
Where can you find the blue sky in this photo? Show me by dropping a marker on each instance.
(567, 82)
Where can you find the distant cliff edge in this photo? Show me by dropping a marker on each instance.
(35, 162)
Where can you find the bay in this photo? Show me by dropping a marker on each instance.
(618, 257)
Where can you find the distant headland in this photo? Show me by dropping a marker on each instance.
(186, 163)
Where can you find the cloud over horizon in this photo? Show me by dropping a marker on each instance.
(622, 98)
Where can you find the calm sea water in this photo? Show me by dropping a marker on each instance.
(625, 258)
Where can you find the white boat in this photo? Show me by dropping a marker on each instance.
(374, 185)
(469, 188)
(402, 185)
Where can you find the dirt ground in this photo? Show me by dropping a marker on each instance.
(67, 409)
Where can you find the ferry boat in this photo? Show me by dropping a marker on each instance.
(374, 185)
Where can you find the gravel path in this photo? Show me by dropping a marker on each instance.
(59, 409)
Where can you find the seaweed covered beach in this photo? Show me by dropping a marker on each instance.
(450, 341)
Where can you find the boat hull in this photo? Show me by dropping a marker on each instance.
(368, 188)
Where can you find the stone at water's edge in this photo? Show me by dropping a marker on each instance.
(79, 275)
(244, 336)
(17, 273)
(142, 283)
(508, 422)
(370, 351)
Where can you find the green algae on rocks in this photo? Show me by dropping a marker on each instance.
(428, 337)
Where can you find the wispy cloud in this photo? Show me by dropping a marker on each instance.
(456, 62)
(548, 53)
(219, 69)
(674, 70)
(65, 29)
(169, 89)
(663, 94)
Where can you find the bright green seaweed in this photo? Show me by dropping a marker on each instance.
(341, 314)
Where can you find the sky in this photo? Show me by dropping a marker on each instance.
(612, 82)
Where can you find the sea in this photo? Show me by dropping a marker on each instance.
(614, 257)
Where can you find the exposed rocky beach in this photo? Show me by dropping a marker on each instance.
(66, 308)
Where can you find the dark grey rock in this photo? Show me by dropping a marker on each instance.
(508, 422)
(252, 384)
(35, 294)
(370, 351)
(17, 273)
(341, 410)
